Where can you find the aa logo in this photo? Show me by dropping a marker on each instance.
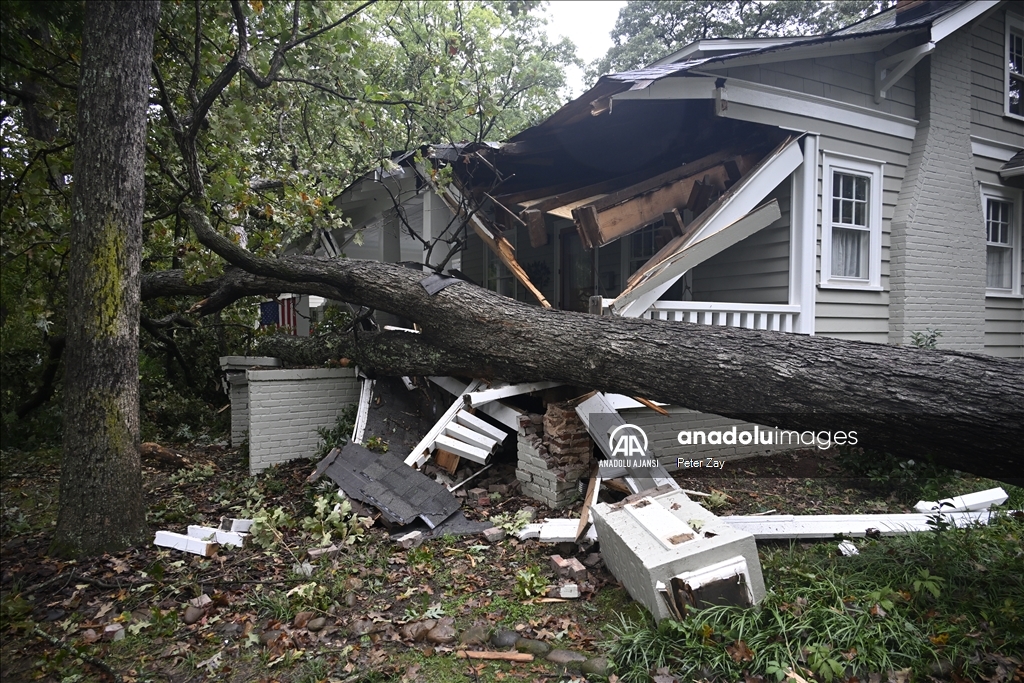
(628, 441)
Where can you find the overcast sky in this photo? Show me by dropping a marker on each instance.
(587, 24)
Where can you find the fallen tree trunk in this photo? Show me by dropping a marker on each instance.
(963, 410)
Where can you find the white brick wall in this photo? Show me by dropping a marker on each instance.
(239, 394)
(286, 407)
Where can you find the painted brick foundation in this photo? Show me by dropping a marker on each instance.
(555, 451)
(286, 407)
(234, 368)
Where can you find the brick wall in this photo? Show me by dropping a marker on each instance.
(287, 406)
(554, 452)
(937, 260)
(239, 394)
(662, 433)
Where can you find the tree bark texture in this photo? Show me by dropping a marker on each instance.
(101, 498)
(964, 410)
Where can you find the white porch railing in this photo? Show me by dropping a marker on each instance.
(776, 317)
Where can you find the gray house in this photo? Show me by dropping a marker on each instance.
(865, 184)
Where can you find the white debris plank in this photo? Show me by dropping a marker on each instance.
(477, 425)
(470, 436)
(240, 525)
(558, 530)
(504, 414)
(770, 527)
(529, 531)
(208, 533)
(362, 411)
(478, 398)
(421, 451)
(982, 500)
(462, 449)
(188, 544)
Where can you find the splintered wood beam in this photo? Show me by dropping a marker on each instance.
(625, 211)
(536, 227)
(495, 242)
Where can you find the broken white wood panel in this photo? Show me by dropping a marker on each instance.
(188, 544)
(422, 450)
(408, 383)
(720, 571)
(504, 414)
(477, 425)
(242, 526)
(772, 527)
(479, 398)
(209, 533)
(847, 548)
(529, 531)
(599, 404)
(982, 500)
(558, 530)
(470, 436)
(464, 450)
(362, 411)
(660, 523)
(637, 298)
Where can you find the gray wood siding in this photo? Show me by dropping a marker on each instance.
(988, 84)
(857, 314)
(473, 259)
(846, 78)
(754, 271)
(1004, 327)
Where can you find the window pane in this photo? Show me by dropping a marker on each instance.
(861, 189)
(1000, 274)
(860, 214)
(1016, 53)
(998, 220)
(846, 215)
(850, 253)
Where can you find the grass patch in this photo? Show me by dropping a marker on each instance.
(950, 599)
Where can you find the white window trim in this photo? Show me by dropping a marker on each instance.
(1015, 24)
(1014, 197)
(830, 162)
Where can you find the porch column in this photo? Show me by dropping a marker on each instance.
(803, 213)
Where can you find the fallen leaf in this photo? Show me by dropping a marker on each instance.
(739, 652)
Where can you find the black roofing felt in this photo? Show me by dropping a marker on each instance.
(384, 481)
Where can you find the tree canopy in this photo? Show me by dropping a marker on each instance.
(647, 30)
(323, 92)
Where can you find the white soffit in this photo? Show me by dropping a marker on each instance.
(769, 101)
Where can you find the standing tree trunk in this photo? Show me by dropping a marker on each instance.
(101, 500)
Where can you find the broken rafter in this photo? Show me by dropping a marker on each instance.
(608, 217)
(495, 242)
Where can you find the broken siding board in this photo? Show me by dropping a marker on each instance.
(506, 415)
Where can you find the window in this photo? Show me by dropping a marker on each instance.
(1002, 209)
(1014, 67)
(851, 230)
